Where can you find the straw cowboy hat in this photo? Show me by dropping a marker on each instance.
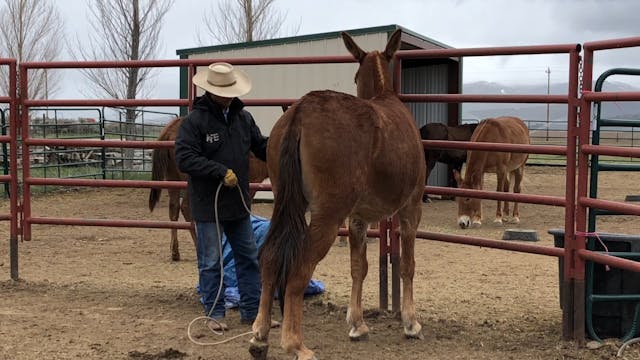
(223, 80)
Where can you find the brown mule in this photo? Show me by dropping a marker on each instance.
(317, 163)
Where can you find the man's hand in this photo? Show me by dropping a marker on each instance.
(230, 179)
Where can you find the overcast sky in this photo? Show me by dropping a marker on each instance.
(458, 23)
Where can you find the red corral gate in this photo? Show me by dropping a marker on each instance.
(577, 152)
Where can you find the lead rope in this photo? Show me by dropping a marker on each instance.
(208, 317)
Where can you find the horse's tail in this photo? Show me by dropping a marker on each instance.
(159, 164)
(286, 238)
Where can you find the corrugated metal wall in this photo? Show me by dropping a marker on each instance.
(429, 79)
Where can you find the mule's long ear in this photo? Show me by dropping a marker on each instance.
(352, 47)
(393, 44)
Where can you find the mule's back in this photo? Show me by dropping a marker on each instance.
(504, 129)
(352, 149)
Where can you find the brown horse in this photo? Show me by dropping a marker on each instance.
(453, 157)
(317, 163)
(504, 129)
(164, 167)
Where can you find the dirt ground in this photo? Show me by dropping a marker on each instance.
(114, 293)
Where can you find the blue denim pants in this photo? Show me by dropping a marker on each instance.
(239, 234)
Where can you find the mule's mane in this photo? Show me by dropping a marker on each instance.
(380, 71)
(374, 77)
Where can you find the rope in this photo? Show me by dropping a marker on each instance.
(597, 236)
(208, 317)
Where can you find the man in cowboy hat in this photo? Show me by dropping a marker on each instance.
(212, 148)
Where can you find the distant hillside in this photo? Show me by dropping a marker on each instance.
(535, 113)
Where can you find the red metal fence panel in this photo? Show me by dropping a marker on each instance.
(575, 200)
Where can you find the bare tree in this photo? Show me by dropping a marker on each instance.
(30, 31)
(234, 21)
(123, 30)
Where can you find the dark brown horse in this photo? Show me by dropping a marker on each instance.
(317, 164)
(452, 157)
(438, 131)
(164, 167)
(504, 129)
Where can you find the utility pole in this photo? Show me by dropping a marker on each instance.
(548, 71)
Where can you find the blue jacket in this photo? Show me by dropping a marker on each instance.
(206, 146)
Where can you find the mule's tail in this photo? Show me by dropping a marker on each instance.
(159, 164)
(286, 239)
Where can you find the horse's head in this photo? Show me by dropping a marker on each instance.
(373, 76)
(469, 209)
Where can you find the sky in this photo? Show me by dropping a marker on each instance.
(457, 23)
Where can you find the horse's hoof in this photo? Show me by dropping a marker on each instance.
(258, 349)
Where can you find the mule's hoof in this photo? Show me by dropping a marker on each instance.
(418, 335)
(175, 257)
(413, 331)
(516, 220)
(498, 221)
(258, 349)
(360, 333)
(358, 337)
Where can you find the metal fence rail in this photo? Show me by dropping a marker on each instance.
(575, 201)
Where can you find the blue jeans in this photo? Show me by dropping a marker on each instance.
(239, 234)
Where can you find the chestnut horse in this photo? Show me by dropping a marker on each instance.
(337, 156)
(504, 129)
(164, 167)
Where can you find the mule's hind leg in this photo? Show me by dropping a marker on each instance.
(501, 175)
(409, 220)
(359, 268)
(518, 176)
(342, 240)
(186, 212)
(505, 204)
(174, 213)
(321, 235)
(262, 323)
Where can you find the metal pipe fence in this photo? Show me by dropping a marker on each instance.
(575, 137)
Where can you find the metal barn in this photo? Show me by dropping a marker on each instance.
(293, 81)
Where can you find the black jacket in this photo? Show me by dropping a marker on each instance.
(206, 146)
